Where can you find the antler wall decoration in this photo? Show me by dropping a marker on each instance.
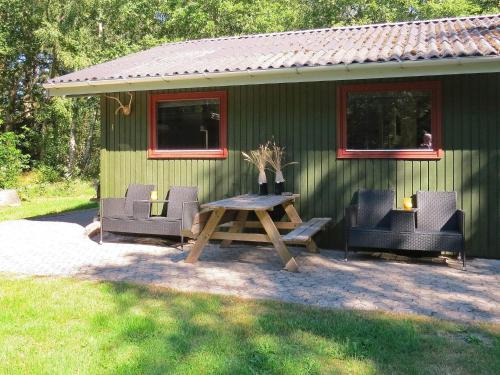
(126, 109)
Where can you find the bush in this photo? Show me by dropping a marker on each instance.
(12, 160)
(47, 174)
(30, 188)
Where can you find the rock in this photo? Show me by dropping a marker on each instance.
(92, 229)
(9, 198)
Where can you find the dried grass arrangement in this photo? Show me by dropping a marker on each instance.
(276, 157)
(259, 158)
(268, 156)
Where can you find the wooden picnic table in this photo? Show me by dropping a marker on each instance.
(240, 207)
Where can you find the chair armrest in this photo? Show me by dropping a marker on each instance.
(112, 206)
(189, 211)
(141, 210)
(461, 221)
(351, 216)
(403, 221)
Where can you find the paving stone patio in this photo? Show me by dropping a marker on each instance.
(57, 246)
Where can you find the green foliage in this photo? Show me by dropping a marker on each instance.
(40, 39)
(213, 18)
(44, 198)
(46, 182)
(321, 13)
(47, 174)
(12, 160)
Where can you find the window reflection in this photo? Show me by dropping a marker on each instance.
(188, 124)
(426, 141)
(391, 120)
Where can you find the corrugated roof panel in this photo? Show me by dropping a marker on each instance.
(404, 41)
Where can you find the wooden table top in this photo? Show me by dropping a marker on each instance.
(250, 202)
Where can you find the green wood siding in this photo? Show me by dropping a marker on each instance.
(302, 117)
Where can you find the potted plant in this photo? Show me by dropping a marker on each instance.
(276, 157)
(259, 158)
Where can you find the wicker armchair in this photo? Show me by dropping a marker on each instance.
(178, 214)
(440, 225)
(435, 225)
(124, 208)
(132, 214)
(368, 222)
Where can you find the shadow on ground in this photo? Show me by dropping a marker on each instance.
(82, 215)
(178, 333)
(432, 287)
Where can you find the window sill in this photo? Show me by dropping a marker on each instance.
(403, 155)
(188, 154)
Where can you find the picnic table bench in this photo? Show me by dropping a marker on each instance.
(302, 235)
(233, 214)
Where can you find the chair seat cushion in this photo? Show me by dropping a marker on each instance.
(371, 237)
(439, 232)
(119, 217)
(419, 240)
(436, 241)
(159, 225)
(161, 218)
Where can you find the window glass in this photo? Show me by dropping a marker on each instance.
(188, 124)
(390, 120)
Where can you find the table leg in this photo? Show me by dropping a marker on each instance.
(291, 212)
(312, 247)
(205, 235)
(275, 237)
(239, 224)
(294, 217)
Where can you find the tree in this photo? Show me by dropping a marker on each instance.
(12, 161)
(40, 39)
(324, 13)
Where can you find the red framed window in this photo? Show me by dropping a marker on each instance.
(188, 125)
(389, 121)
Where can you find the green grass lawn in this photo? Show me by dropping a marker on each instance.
(62, 326)
(46, 206)
(48, 199)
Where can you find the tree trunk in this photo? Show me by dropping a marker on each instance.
(72, 148)
(11, 108)
(87, 154)
(72, 140)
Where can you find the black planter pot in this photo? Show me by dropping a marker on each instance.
(279, 188)
(263, 189)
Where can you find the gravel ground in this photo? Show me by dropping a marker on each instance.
(57, 246)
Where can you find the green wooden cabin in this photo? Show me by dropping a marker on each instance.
(307, 109)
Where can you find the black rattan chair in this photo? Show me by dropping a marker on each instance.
(435, 225)
(132, 214)
(123, 208)
(368, 221)
(440, 225)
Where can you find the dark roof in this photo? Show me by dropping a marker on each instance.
(403, 41)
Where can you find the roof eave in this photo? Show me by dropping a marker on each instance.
(373, 70)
